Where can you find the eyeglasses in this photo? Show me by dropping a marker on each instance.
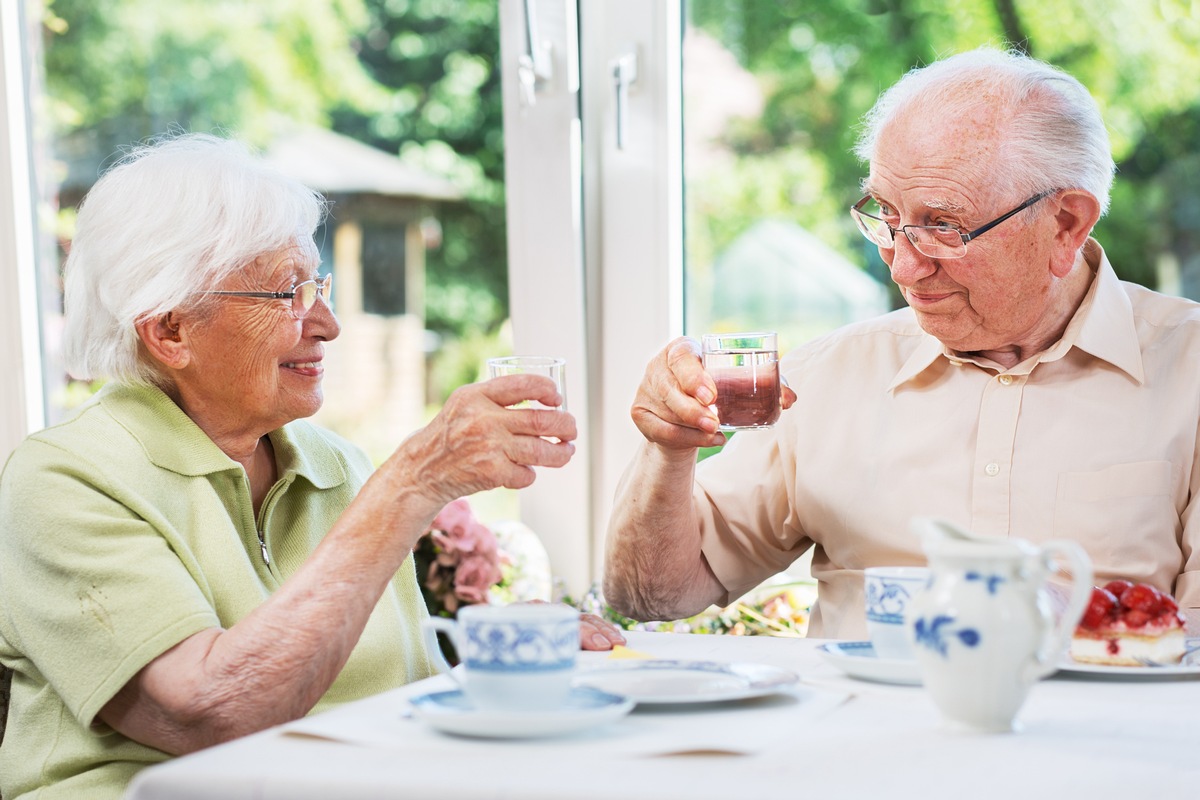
(935, 241)
(303, 295)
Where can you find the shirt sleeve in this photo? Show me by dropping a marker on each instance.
(91, 590)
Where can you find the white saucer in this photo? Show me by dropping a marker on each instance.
(858, 660)
(668, 681)
(451, 712)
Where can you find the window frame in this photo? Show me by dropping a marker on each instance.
(614, 217)
(22, 402)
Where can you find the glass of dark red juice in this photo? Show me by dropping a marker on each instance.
(745, 367)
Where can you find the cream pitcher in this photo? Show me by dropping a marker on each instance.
(982, 627)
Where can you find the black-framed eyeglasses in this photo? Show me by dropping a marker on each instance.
(935, 241)
(303, 295)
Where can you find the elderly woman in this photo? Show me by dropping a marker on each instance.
(184, 562)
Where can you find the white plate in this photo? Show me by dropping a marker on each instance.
(451, 712)
(858, 660)
(667, 681)
(1188, 668)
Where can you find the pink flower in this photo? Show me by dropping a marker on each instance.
(459, 560)
(454, 518)
(474, 576)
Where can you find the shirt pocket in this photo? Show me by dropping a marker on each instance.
(1122, 514)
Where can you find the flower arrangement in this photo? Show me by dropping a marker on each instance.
(457, 560)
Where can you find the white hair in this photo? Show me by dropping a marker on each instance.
(1053, 136)
(173, 218)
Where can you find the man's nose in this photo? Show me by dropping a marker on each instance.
(908, 265)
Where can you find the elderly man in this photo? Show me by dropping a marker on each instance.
(1024, 392)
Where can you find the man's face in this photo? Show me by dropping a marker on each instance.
(999, 295)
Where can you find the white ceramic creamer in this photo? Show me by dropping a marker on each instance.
(982, 629)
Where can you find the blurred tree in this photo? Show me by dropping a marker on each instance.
(439, 63)
(120, 70)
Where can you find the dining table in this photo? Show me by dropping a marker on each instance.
(826, 735)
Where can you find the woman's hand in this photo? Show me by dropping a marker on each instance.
(478, 443)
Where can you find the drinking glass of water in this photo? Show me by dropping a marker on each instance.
(552, 368)
(745, 367)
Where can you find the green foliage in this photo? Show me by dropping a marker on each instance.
(122, 70)
(438, 63)
(461, 360)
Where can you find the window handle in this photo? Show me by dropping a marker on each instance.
(624, 74)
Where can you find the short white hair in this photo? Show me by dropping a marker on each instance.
(1054, 137)
(172, 218)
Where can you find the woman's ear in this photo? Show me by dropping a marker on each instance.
(1077, 213)
(162, 338)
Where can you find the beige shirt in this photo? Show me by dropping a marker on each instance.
(1094, 439)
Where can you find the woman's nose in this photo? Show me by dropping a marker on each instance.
(320, 321)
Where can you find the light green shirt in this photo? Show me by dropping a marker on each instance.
(125, 530)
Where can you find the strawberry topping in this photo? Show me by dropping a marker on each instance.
(1124, 605)
(1117, 587)
(1100, 609)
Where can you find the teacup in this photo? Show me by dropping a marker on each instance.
(888, 591)
(515, 658)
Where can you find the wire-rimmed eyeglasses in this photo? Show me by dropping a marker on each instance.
(303, 295)
(935, 241)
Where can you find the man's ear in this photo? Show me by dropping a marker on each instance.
(1077, 213)
(162, 338)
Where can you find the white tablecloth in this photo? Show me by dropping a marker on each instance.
(836, 737)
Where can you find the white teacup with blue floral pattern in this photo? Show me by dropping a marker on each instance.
(514, 658)
(888, 591)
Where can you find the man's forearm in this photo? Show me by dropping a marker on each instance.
(654, 568)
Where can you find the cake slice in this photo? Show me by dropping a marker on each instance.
(1127, 624)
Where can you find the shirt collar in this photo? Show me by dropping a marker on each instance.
(172, 441)
(1102, 327)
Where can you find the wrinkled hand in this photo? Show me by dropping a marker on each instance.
(598, 634)
(674, 403)
(476, 443)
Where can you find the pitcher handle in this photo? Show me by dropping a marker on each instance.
(430, 628)
(1058, 637)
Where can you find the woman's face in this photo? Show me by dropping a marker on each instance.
(253, 366)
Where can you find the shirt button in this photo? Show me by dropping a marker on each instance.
(1006, 379)
(992, 469)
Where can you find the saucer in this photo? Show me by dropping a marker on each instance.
(670, 682)
(451, 712)
(858, 660)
